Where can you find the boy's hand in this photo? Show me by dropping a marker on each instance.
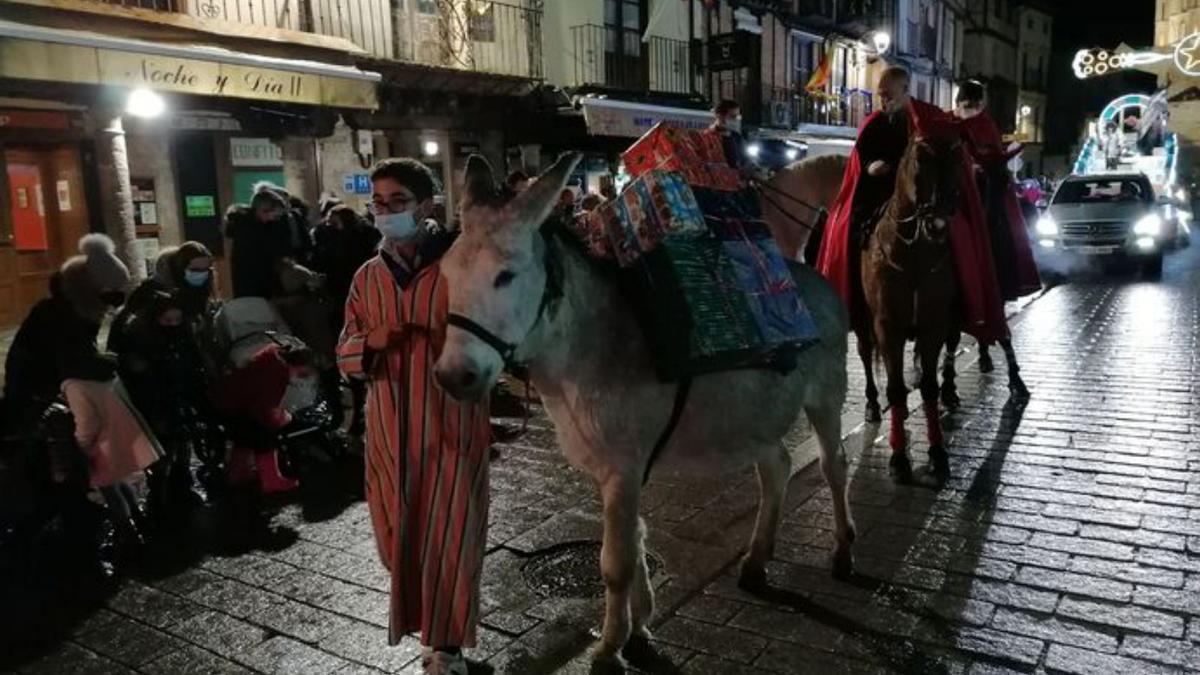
(386, 338)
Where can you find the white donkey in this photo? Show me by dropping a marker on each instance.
(520, 295)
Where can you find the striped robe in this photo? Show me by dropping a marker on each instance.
(426, 456)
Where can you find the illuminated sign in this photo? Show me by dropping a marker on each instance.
(1096, 62)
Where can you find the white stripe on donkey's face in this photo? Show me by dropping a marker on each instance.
(595, 375)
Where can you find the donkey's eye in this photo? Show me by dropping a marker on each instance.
(504, 278)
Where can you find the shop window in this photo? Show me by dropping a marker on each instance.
(427, 7)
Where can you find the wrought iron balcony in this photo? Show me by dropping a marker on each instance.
(608, 57)
(788, 108)
(476, 35)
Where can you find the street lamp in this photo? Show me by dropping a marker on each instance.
(145, 103)
(430, 148)
(1026, 111)
(881, 41)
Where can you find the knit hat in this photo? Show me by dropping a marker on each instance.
(105, 270)
(267, 193)
(84, 277)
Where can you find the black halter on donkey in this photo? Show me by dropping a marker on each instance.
(552, 293)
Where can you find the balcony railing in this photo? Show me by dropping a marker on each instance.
(618, 58)
(476, 35)
(788, 108)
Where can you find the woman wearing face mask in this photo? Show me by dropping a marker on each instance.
(185, 271)
(57, 340)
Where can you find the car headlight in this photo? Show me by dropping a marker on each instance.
(1047, 227)
(1149, 226)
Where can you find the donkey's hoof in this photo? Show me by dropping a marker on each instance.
(939, 462)
(900, 468)
(608, 658)
(985, 363)
(873, 413)
(950, 400)
(752, 577)
(843, 565)
(1018, 390)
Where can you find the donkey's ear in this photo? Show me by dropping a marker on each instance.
(479, 185)
(533, 206)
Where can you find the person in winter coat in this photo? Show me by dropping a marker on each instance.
(253, 397)
(343, 243)
(168, 380)
(57, 339)
(186, 272)
(117, 446)
(269, 241)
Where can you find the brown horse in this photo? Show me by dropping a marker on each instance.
(909, 283)
(792, 201)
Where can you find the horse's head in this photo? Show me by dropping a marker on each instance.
(930, 176)
(496, 276)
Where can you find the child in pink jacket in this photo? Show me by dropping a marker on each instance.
(116, 444)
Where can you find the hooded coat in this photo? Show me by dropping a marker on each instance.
(261, 250)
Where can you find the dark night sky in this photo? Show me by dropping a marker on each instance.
(1091, 23)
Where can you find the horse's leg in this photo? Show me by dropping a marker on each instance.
(642, 601)
(618, 563)
(985, 359)
(1016, 385)
(930, 345)
(892, 343)
(873, 414)
(949, 391)
(827, 423)
(773, 473)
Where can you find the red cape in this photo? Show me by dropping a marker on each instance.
(982, 307)
(986, 147)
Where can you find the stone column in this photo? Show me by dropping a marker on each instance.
(116, 195)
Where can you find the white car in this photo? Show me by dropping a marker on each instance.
(1112, 216)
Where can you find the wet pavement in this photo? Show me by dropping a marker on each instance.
(1067, 540)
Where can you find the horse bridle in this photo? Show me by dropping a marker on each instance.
(552, 292)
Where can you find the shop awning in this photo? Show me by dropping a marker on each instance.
(608, 117)
(39, 53)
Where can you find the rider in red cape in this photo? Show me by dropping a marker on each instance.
(881, 142)
(1015, 270)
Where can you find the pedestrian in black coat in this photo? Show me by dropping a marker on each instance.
(270, 239)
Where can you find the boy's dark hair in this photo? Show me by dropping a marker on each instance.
(408, 172)
(726, 106)
(346, 215)
(970, 91)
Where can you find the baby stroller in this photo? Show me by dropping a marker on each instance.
(244, 327)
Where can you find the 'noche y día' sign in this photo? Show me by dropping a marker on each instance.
(206, 77)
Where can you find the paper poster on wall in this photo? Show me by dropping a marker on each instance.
(22, 198)
(199, 206)
(41, 202)
(63, 189)
(149, 249)
(147, 213)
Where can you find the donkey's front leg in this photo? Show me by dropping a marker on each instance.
(774, 469)
(618, 561)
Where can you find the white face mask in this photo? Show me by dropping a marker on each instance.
(196, 278)
(734, 125)
(397, 226)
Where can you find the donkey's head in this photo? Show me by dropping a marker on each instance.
(496, 276)
(930, 176)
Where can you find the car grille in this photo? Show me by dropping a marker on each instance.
(1096, 230)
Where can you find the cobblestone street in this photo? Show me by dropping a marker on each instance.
(1066, 541)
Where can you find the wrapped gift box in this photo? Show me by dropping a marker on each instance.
(610, 220)
(762, 275)
(696, 155)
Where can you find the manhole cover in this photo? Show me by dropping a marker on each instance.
(572, 570)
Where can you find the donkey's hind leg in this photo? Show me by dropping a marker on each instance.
(618, 562)
(642, 601)
(1016, 385)
(774, 470)
(827, 423)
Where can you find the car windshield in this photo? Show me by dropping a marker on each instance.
(1100, 191)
